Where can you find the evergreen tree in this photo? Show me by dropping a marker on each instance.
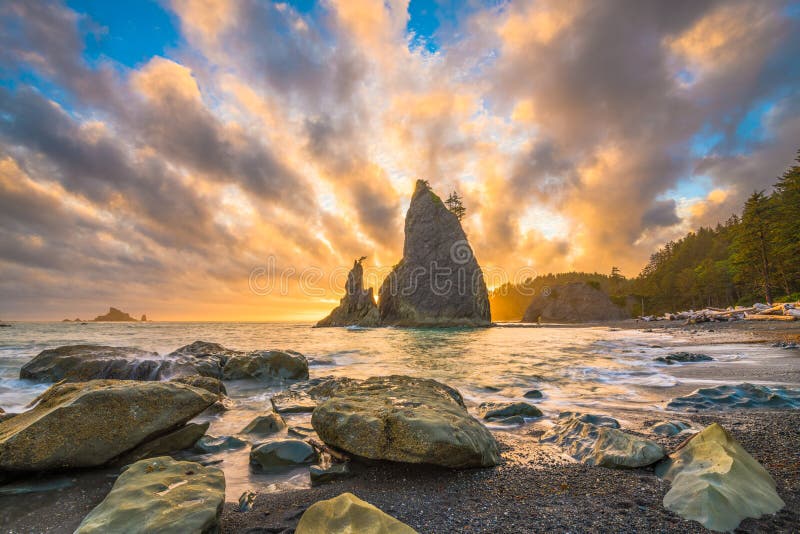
(752, 255)
(455, 205)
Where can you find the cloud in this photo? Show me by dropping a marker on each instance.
(270, 132)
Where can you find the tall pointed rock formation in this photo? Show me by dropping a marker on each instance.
(357, 307)
(438, 282)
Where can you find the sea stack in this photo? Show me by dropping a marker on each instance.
(438, 282)
(357, 307)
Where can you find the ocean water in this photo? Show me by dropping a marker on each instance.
(589, 369)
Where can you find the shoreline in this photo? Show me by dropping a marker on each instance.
(536, 486)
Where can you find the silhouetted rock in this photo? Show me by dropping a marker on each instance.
(577, 302)
(144, 318)
(114, 315)
(438, 282)
(357, 307)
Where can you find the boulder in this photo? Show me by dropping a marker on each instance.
(603, 446)
(502, 410)
(683, 357)
(183, 438)
(404, 419)
(438, 282)
(533, 394)
(214, 444)
(577, 302)
(716, 482)
(160, 495)
(79, 363)
(668, 428)
(212, 385)
(357, 307)
(266, 364)
(88, 424)
(114, 315)
(207, 359)
(348, 514)
(329, 472)
(303, 397)
(736, 397)
(265, 425)
(287, 452)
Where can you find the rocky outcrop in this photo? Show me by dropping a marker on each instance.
(501, 410)
(348, 513)
(594, 440)
(438, 282)
(577, 302)
(683, 357)
(266, 364)
(79, 363)
(404, 419)
(716, 482)
(357, 307)
(89, 424)
(160, 495)
(114, 315)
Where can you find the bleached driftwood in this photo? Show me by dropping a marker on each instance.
(762, 317)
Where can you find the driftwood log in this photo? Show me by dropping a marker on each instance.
(762, 317)
(321, 447)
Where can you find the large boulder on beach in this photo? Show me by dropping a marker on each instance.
(716, 482)
(357, 307)
(405, 419)
(577, 302)
(160, 495)
(207, 359)
(79, 363)
(602, 444)
(266, 365)
(88, 424)
(348, 514)
(438, 282)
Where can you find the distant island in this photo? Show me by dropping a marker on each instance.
(113, 315)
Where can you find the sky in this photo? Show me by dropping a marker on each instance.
(212, 160)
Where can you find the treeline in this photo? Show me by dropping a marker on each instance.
(750, 258)
(509, 301)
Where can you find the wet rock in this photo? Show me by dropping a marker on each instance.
(716, 482)
(88, 424)
(303, 397)
(577, 302)
(287, 452)
(177, 440)
(438, 282)
(266, 364)
(215, 444)
(212, 385)
(265, 425)
(322, 474)
(357, 307)
(592, 419)
(668, 428)
(736, 397)
(514, 420)
(533, 394)
(160, 495)
(302, 432)
(348, 513)
(603, 446)
(79, 363)
(500, 410)
(683, 357)
(405, 419)
(24, 487)
(207, 359)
